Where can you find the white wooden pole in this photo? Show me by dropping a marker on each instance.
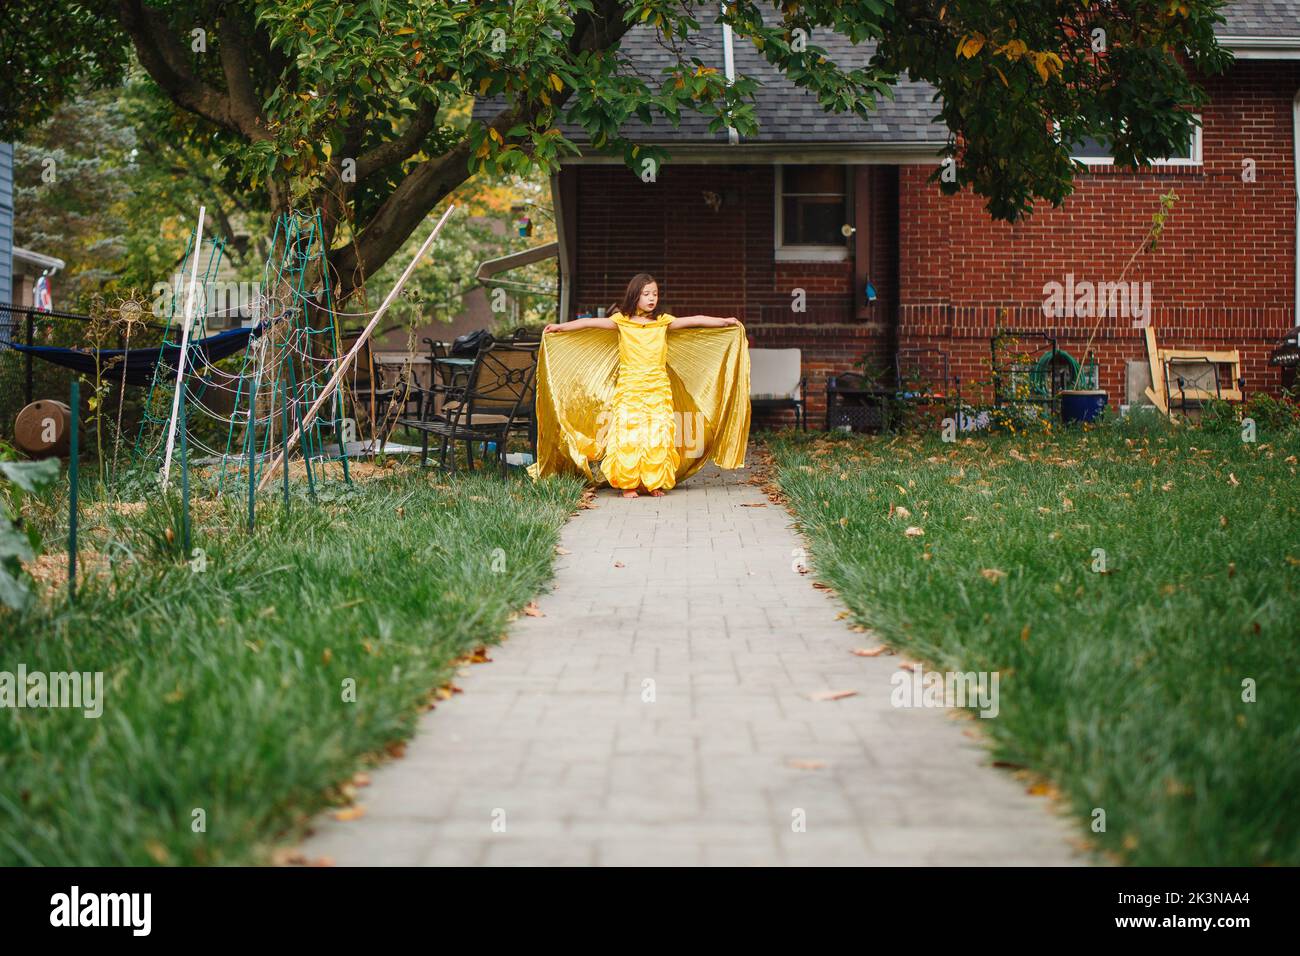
(348, 359)
(185, 342)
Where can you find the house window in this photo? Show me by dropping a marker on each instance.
(812, 207)
(1097, 152)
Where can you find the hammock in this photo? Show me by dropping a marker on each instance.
(141, 363)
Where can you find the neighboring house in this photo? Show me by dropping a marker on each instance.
(6, 227)
(735, 226)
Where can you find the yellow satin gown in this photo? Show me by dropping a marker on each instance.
(684, 393)
(640, 436)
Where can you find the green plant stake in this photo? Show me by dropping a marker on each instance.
(75, 406)
(185, 481)
(284, 424)
(252, 448)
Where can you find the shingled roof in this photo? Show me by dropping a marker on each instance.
(786, 114)
(790, 115)
(1260, 18)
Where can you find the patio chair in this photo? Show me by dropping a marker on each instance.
(488, 409)
(776, 381)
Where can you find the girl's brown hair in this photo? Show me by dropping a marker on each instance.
(633, 293)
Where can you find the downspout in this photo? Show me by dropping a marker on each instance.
(729, 67)
(562, 254)
(1295, 168)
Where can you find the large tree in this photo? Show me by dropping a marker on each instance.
(346, 106)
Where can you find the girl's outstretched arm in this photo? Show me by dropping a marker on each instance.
(591, 323)
(702, 321)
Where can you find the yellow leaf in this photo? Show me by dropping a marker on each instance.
(971, 45)
(495, 135)
(351, 813)
(556, 82)
(483, 85)
(403, 31)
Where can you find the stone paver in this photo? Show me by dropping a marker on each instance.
(652, 716)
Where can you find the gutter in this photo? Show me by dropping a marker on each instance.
(1262, 48)
(39, 260)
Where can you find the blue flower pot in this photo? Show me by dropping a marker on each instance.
(1082, 404)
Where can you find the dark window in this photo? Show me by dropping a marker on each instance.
(813, 207)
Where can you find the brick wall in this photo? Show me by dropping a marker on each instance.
(1222, 275)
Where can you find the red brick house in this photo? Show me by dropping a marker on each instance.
(753, 226)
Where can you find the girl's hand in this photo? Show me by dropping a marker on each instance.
(731, 320)
(553, 327)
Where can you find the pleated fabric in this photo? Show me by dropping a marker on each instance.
(651, 404)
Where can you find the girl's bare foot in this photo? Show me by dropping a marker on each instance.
(657, 493)
(630, 493)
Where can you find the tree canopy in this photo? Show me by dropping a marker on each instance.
(352, 106)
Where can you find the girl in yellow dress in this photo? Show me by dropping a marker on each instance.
(642, 448)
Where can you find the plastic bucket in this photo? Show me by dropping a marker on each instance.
(1081, 404)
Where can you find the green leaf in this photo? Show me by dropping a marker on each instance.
(14, 591)
(31, 476)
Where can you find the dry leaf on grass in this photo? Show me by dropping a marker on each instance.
(993, 574)
(914, 532)
(361, 779)
(532, 610)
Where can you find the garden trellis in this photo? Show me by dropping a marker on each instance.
(233, 417)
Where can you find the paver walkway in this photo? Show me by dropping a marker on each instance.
(660, 713)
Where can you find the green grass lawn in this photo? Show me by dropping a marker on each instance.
(1124, 688)
(224, 688)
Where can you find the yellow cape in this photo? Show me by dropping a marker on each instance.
(708, 369)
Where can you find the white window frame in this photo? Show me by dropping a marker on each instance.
(1196, 158)
(807, 253)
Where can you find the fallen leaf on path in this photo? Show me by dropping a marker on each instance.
(753, 504)
(906, 665)
(532, 610)
(559, 550)
(361, 779)
(871, 651)
(807, 764)
(619, 564)
(832, 694)
(355, 812)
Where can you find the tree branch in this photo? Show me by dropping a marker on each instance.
(164, 57)
(406, 145)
